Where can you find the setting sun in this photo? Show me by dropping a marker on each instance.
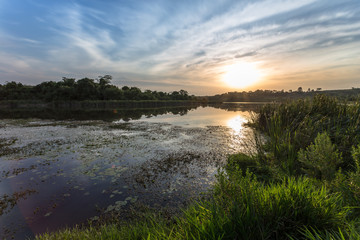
(241, 75)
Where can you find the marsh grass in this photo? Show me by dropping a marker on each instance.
(294, 125)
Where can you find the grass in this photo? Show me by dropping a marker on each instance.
(303, 183)
(245, 208)
(242, 207)
(292, 126)
(143, 230)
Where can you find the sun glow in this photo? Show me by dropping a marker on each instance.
(241, 75)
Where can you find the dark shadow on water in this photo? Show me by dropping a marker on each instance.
(125, 114)
(105, 115)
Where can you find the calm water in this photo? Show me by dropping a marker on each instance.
(57, 173)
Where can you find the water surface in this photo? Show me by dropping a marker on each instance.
(57, 173)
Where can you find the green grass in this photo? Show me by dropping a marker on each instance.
(294, 125)
(112, 231)
(242, 207)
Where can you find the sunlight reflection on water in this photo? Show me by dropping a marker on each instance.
(237, 123)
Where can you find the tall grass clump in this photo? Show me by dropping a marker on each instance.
(245, 208)
(351, 234)
(294, 125)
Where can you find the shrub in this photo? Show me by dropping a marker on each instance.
(321, 158)
(349, 185)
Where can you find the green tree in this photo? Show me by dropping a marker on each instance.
(86, 89)
(105, 80)
(69, 82)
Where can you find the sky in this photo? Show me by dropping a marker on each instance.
(194, 45)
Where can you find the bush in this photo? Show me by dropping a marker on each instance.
(321, 158)
(349, 186)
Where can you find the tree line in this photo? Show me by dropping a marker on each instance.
(275, 95)
(70, 89)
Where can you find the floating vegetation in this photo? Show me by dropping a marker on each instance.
(5, 146)
(48, 214)
(112, 165)
(7, 202)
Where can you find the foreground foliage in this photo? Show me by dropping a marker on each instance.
(242, 208)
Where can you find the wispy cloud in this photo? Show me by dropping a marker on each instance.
(186, 43)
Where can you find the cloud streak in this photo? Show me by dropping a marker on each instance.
(185, 43)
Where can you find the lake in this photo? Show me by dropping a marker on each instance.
(59, 169)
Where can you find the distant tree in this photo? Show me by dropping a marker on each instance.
(300, 90)
(162, 95)
(13, 85)
(183, 92)
(113, 93)
(86, 89)
(105, 80)
(46, 90)
(133, 93)
(148, 95)
(318, 89)
(70, 82)
(175, 95)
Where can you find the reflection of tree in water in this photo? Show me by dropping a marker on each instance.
(8, 202)
(238, 106)
(106, 115)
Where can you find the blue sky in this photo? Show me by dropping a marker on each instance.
(172, 45)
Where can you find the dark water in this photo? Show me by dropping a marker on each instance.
(60, 172)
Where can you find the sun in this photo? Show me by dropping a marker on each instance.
(241, 75)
